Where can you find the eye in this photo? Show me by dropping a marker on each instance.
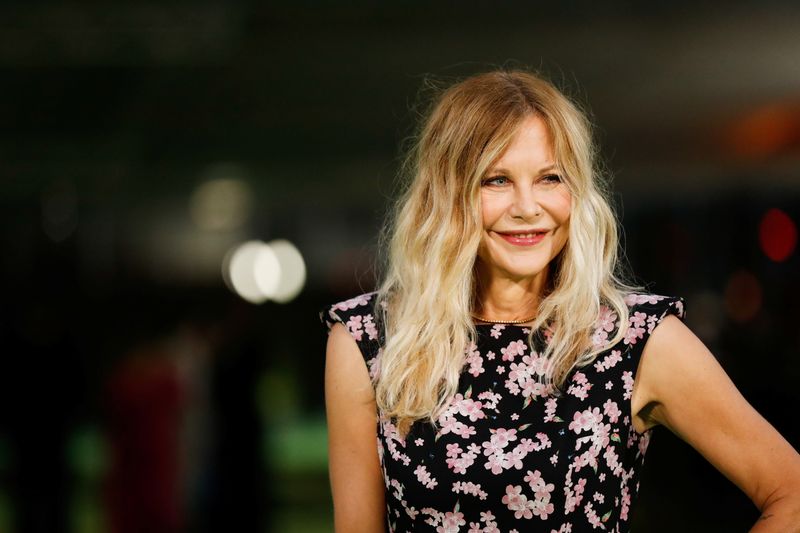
(552, 178)
(496, 180)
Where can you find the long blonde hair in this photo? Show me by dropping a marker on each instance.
(428, 289)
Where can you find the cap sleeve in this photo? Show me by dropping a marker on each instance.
(646, 312)
(359, 319)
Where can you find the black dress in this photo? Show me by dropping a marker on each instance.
(509, 455)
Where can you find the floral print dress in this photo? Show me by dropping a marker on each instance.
(509, 456)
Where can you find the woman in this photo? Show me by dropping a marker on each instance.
(509, 374)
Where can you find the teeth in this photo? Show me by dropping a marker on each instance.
(526, 235)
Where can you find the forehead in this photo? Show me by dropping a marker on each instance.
(530, 146)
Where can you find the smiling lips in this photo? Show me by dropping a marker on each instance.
(524, 239)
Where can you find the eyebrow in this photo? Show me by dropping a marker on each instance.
(506, 171)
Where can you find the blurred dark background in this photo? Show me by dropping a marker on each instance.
(142, 143)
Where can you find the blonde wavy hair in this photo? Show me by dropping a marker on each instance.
(429, 289)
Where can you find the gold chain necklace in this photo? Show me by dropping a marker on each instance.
(503, 321)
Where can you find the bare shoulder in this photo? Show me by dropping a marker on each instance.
(345, 369)
(673, 363)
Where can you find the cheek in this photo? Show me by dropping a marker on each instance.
(562, 207)
(491, 209)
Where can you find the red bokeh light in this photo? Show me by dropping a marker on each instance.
(777, 234)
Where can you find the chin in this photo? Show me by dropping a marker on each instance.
(522, 271)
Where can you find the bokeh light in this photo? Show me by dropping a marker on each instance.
(239, 270)
(743, 296)
(766, 130)
(777, 235)
(293, 270)
(259, 271)
(221, 204)
(267, 271)
(707, 316)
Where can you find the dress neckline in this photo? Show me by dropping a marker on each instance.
(489, 325)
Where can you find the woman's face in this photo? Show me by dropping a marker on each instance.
(525, 206)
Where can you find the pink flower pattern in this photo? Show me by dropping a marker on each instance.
(507, 453)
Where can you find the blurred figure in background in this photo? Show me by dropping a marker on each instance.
(145, 402)
(183, 425)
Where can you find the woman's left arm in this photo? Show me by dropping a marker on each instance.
(683, 387)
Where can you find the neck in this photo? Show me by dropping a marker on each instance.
(504, 298)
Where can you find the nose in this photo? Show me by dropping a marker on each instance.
(526, 203)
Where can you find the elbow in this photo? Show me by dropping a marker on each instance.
(781, 511)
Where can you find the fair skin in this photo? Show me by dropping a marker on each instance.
(523, 192)
(678, 384)
(354, 469)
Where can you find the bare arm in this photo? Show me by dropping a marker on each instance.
(686, 390)
(355, 473)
